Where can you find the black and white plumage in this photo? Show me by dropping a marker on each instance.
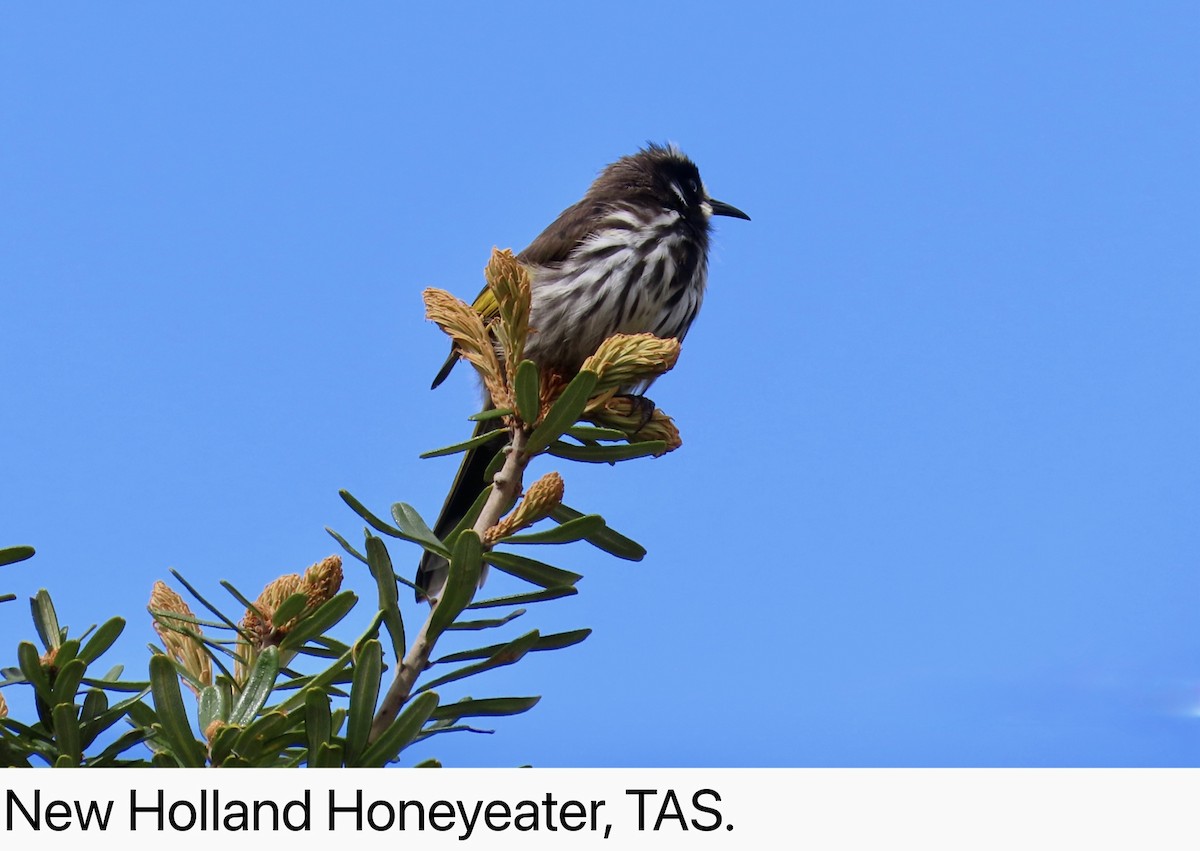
(630, 257)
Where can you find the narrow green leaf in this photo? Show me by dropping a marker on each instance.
(531, 570)
(45, 621)
(320, 681)
(366, 514)
(466, 562)
(67, 682)
(35, 674)
(102, 640)
(416, 529)
(590, 432)
(327, 615)
(606, 538)
(123, 742)
(262, 738)
(428, 763)
(522, 599)
(490, 414)
(555, 641)
(289, 608)
(505, 654)
(493, 467)
(329, 755)
(573, 530)
(67, 651)
(380, 565)
(168, 705)
(66, 732)
(345, 545)
(401, 731)
(224, 742)
(528, 386)
(318, 721)
(465, 446)
(607, 454)
(364, 693)
(215, 705)
(484, 624)
(217, 613)
(490, 706)
(257, 688)
(94, 703)
(471, 516)
(12, 555)
(563, 413)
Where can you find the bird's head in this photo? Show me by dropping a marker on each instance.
(663, 176)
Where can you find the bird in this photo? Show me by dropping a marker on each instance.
(630, 257)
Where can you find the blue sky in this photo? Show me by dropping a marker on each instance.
(937, 503)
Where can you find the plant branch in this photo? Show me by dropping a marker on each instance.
(505, 493)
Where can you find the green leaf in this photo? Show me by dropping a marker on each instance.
(35, 674)
(364, 694)
(531, 570)
(91, 727)
(318, 721)
(366, 514)
(505, 654)
(416, 530)
(329, 755)
(95, 702)
(45, 621)
(168, 704)
(123, 742)
(215, 704)
(66, 732)
(12, 555)
(380, 565)
(67, 682)
(528, 386)
(102, 640)
(401, 731)
(590, 432)
(484, 624)
(262, 737)
(289, 608)
(462, 580)
(490, 706)
(490, 414)
(428, 763)
(465, 446)
(607, 454)
(563, 413)
(224, 742)
(606, 538)
(554, 641)
(573, 530)
(471, 516)
(257, 688)
(327, 615)
(320, 681)
(345, 545)
(522, 599)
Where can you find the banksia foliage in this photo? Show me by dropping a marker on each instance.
(180, 635)
(464, 326)
(510, 284)
(624, 414)
(259, 629)
(624, 360)
(545, 495)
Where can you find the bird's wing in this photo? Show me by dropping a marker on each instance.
(552, 246)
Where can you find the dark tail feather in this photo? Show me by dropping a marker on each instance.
(468, 484)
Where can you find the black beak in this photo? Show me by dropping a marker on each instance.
(720, 208)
